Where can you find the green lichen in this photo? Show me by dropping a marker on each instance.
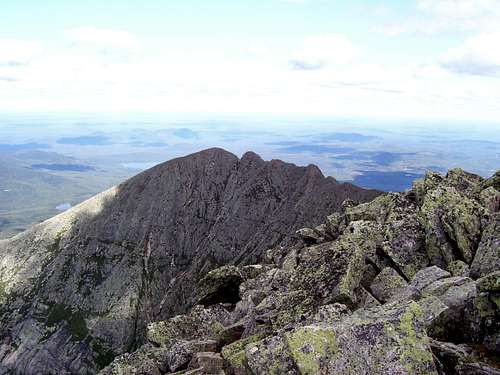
(237, 360)
(237, 346)
(416, 356)
(309, 344)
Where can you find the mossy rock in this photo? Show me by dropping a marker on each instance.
(200, 322)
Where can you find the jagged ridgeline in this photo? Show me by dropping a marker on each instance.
(82, 287)
(408, 283)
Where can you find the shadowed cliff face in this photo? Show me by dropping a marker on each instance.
(81, 287)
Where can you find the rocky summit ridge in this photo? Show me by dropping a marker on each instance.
(408, 283)
(83, 287)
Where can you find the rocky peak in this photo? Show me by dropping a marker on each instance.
(81, 288)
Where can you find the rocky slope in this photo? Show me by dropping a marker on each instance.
(81, 288)
(406, 284)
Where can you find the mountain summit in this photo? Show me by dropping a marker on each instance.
(80, 288)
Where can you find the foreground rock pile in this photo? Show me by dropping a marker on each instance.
(406, 284)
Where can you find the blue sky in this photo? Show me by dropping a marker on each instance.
(432, 59)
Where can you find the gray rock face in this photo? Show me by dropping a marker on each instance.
(81, 288)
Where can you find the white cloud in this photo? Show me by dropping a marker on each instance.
(436, 16)
(18, 52)
(478, 55)
(101, 37)
(255, 78)
(459, 8)
(322, 50)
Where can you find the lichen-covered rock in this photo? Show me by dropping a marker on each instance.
(209, 362)
(493, 181)
(388, 285)
(450, 356)
(457, 293)
(463, 181)
(310, 236)
(200, 322)
(427, 276)
(285, 308)
(235, 353)
(404, 239)
(147, 360)
(332, 271)
(270, 356)
(357, 294)
(385, 340)
(487, 257)
(459, 268)
(432, 313)
(452, 223)
(180, 354)
(490, 198)
(488, 306)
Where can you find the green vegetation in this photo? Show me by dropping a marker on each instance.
(75, 319)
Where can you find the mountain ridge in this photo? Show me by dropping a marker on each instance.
(80, 288)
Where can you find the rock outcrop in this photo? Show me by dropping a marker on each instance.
(82, 287)
(408, 283)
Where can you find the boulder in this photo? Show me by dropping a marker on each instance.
(427, 276)
(490, 198)
(493, 181)
(450, 356)
(270, 356)
(331, 272)
(180, 354)
(457, 294)
(388, 285)
(404, 238)
(452, 223)
(309, 236)
(200, 322)
(235, 355)
(433, 311)
(389, 339)
(487, 258)
(210, 363)
(487, 303)
(459, 268)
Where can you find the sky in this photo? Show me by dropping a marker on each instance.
(407, 59)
